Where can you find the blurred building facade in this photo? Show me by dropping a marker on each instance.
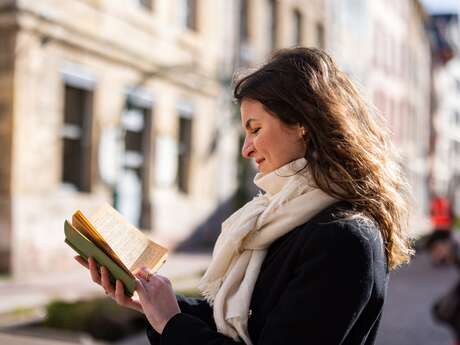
(349, 37)
(384, 47)
(130, 102)
(445, 181)
(108, 100)
(266, 25)
(126, 103)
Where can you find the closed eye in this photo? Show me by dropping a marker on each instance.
(255, 130)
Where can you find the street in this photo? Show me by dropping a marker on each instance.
(407, 314)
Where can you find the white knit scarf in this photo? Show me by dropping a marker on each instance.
(290, 200)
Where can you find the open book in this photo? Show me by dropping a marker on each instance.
(114, 243)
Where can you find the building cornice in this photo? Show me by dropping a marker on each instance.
(55, 31)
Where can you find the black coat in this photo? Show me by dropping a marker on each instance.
(323, 283)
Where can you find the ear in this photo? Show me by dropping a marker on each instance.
(302, 131)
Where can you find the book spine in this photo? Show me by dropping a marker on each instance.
(85, 248)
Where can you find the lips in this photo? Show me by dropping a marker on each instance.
(258, 161)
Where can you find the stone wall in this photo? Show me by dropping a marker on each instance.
(59, 38)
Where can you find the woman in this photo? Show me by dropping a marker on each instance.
(307, 261)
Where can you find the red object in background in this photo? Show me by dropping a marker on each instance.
(441, 216)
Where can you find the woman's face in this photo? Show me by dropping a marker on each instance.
(269, 141)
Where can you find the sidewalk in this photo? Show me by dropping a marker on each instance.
(9, 339)
(22, 300)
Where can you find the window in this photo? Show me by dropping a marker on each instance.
(188, 14)
(320, 36)
(147, 4)
(273, 23)
(184, 151)
(376, 45)
(131, 194)
(407, 66)
(457, 149)
(76, 137)
(400, 60)
(390, 56)
(457, 118)
(298, 24)
(244, 20)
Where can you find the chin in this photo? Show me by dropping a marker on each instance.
(263, 168)
(265, 171)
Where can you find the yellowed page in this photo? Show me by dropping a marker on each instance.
(153, 257)
(132, 247)
(82, 224)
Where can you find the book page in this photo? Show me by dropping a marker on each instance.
(153, 257)
(81, 223)
(84, 226)
(133, 247)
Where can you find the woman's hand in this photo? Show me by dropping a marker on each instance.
(157, 298)
(102, 278)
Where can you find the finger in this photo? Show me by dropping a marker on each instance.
(143, 273)
(141, 291)
(105, 281)
(124, 300)
(81, 261)
(95, 276)
(163, 279)
(140, 288)
(138, 273)
(119, 292)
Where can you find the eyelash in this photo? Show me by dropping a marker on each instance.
(254, 131)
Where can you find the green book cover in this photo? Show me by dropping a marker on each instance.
(85, 248)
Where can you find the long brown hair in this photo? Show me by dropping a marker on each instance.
(348, 150)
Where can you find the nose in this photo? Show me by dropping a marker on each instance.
(248, 148)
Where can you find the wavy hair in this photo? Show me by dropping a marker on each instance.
(348, 151)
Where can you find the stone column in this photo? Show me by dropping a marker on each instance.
(7, 39)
